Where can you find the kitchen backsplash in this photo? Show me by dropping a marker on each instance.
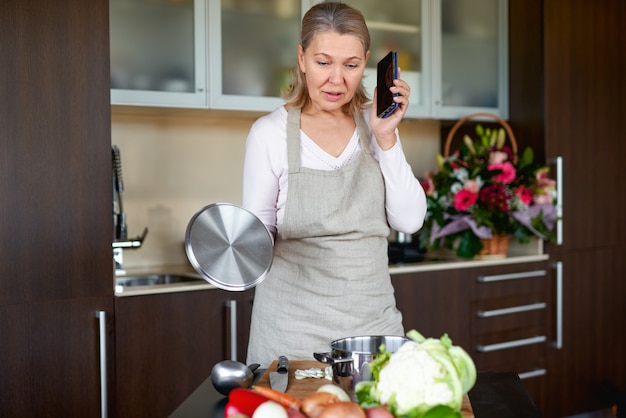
(175, 163)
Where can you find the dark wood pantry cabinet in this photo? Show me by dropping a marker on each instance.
(55, 208)
(585, 105)
(573, 104)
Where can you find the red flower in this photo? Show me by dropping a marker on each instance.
(525, 194)
(464, 199)
(494, 196)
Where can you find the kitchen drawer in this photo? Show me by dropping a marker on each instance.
(515, 282)
(518, 359)
(510, 306)
(488, 331)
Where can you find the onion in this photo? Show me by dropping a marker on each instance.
(270, 409)
(315, 403)
(335, 390)
(295, 413)
(378, 412)
(342, 410)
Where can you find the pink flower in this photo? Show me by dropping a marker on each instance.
(428, 185)
(471, 186)
(543, 196)
(525, 194)
(508, 172)
(497, 157)
(464, 199)
(505, 149)
(542, 178)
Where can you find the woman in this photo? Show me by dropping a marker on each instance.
(328, 178)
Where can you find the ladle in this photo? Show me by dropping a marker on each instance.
(230, 374)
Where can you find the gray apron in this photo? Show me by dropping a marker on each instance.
(330, 277)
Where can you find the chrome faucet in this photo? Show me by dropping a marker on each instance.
(120, 231)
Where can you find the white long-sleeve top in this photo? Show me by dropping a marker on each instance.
(265, 174)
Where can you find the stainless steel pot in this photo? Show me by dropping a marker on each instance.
(350, 357)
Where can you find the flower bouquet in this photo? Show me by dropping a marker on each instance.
(483, 190)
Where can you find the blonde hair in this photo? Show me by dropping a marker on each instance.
(326, 17)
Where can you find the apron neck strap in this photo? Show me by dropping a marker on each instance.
(293, 136)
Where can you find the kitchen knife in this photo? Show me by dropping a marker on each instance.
(279, 378)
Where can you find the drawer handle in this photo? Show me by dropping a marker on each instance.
(511, 344)
(532, 373)
(511, 276)
(514, 309)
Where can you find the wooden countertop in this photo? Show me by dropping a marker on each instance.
(495, 395)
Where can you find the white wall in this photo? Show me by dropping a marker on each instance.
(176, 162)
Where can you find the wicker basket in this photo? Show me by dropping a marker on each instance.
(462, 121)
(497, 246)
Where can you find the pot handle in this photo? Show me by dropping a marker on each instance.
(323, 357)
(327, 358)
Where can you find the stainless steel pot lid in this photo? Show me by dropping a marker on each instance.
(229, 246)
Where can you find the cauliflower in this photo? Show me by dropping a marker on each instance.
(422, 375)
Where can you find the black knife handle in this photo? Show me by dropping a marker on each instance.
(283, 365)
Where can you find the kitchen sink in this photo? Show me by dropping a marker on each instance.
(156, 281)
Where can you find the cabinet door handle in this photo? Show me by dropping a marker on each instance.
(231, 304)
(102, 327)
(511, 276)
(559, 200)
(558, 342)
(511, 344)
(532, 373)
(511, 310)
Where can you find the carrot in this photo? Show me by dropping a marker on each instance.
(282, 398)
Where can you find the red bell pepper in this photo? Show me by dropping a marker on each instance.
(243, 401)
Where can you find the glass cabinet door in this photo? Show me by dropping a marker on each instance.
(158, 52)
(403, 26)
(253, 49)
(470, 52)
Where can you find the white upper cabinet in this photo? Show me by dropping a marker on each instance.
(253, 47)
(469, 58)
(158, 52)
(453, 53)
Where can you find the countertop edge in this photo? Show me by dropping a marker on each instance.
(463, 264)
(394, 269)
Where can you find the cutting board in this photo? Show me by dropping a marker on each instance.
(301, 388)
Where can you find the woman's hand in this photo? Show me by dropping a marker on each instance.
(385, 129)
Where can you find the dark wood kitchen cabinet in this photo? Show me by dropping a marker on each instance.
(167, 344)
(55, 208)
(434, 303)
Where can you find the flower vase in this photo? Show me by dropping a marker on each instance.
(495, 247)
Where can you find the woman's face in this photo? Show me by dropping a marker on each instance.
(334, 65)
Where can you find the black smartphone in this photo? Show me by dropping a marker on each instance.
(387, 72)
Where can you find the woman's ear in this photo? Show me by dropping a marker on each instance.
(301, 63)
